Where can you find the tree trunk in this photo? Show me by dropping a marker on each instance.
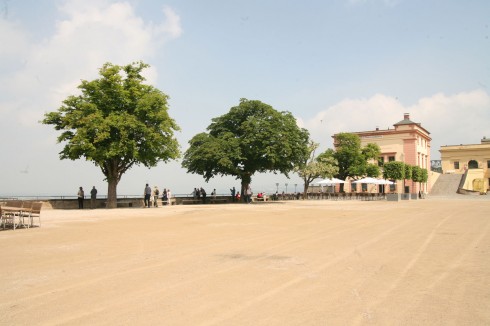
(305, 191)
(112, 192)
(246, 180)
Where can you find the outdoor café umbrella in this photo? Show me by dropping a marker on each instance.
(374, 181)
(330, 181)
(367, 180)
(384, 182)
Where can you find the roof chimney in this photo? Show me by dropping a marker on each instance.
(406, 116)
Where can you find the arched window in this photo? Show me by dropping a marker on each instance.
(472, 164)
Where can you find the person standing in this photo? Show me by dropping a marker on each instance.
(147, 196)
(233, 191)
(248, 194)
(169, 196)
(156, 193)
(203, 194)
(93, 198)
(164, 197)
(81, 197)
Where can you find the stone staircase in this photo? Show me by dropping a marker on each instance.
(446, 185)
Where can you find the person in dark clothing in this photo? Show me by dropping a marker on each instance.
(81, 197)
(147, 194)
(203, 194)
(233, 191)
(93, 198)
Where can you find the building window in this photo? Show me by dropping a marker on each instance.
(456, 165)
(391, 158)
(488, 164)
(472, 164)
(381, 161)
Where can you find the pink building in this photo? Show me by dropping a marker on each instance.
(407, 142)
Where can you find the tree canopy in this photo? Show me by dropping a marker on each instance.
(252, 137)
(353, 160)
(321, 166)
(394, 170)
(117, 122)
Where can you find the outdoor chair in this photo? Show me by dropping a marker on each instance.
(25, 213)
(36, 211)
(7, 217)
(11, 215)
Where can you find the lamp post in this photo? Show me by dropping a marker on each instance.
(286, 187)
(295, 187)
(277, 186)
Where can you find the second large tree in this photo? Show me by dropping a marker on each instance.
(252, 137)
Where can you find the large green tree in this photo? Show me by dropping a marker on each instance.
(313, 167)
(252, 137)
(117, 122)
(354, 160)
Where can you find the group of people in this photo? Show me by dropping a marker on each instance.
(199, 193)
(81, 198)
(235, 195)
(152, 196)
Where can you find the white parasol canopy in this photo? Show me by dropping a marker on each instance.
(374, 181)
(385, 182)
(367, 180)
(330, 181)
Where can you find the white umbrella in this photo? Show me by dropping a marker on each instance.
(330, 181)
(385, 182)
(367, 180)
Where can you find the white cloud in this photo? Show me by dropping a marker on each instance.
(90, 34)
(172, 26)
(14, 40)
(455, 119)
(451, 119)
(37, 74)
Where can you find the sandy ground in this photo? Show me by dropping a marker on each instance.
(424, 262)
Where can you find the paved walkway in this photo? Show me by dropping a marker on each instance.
(420, 262)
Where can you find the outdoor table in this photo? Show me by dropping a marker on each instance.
(19, 211)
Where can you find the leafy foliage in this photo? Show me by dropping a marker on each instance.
(416, 173)
(408, 172)
(322, 166)
(352, 159)
(394, 170)
(252, 137)
(372, 170)
(117, 122)
(425, 176)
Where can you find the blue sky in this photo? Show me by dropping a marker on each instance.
(340, 65)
